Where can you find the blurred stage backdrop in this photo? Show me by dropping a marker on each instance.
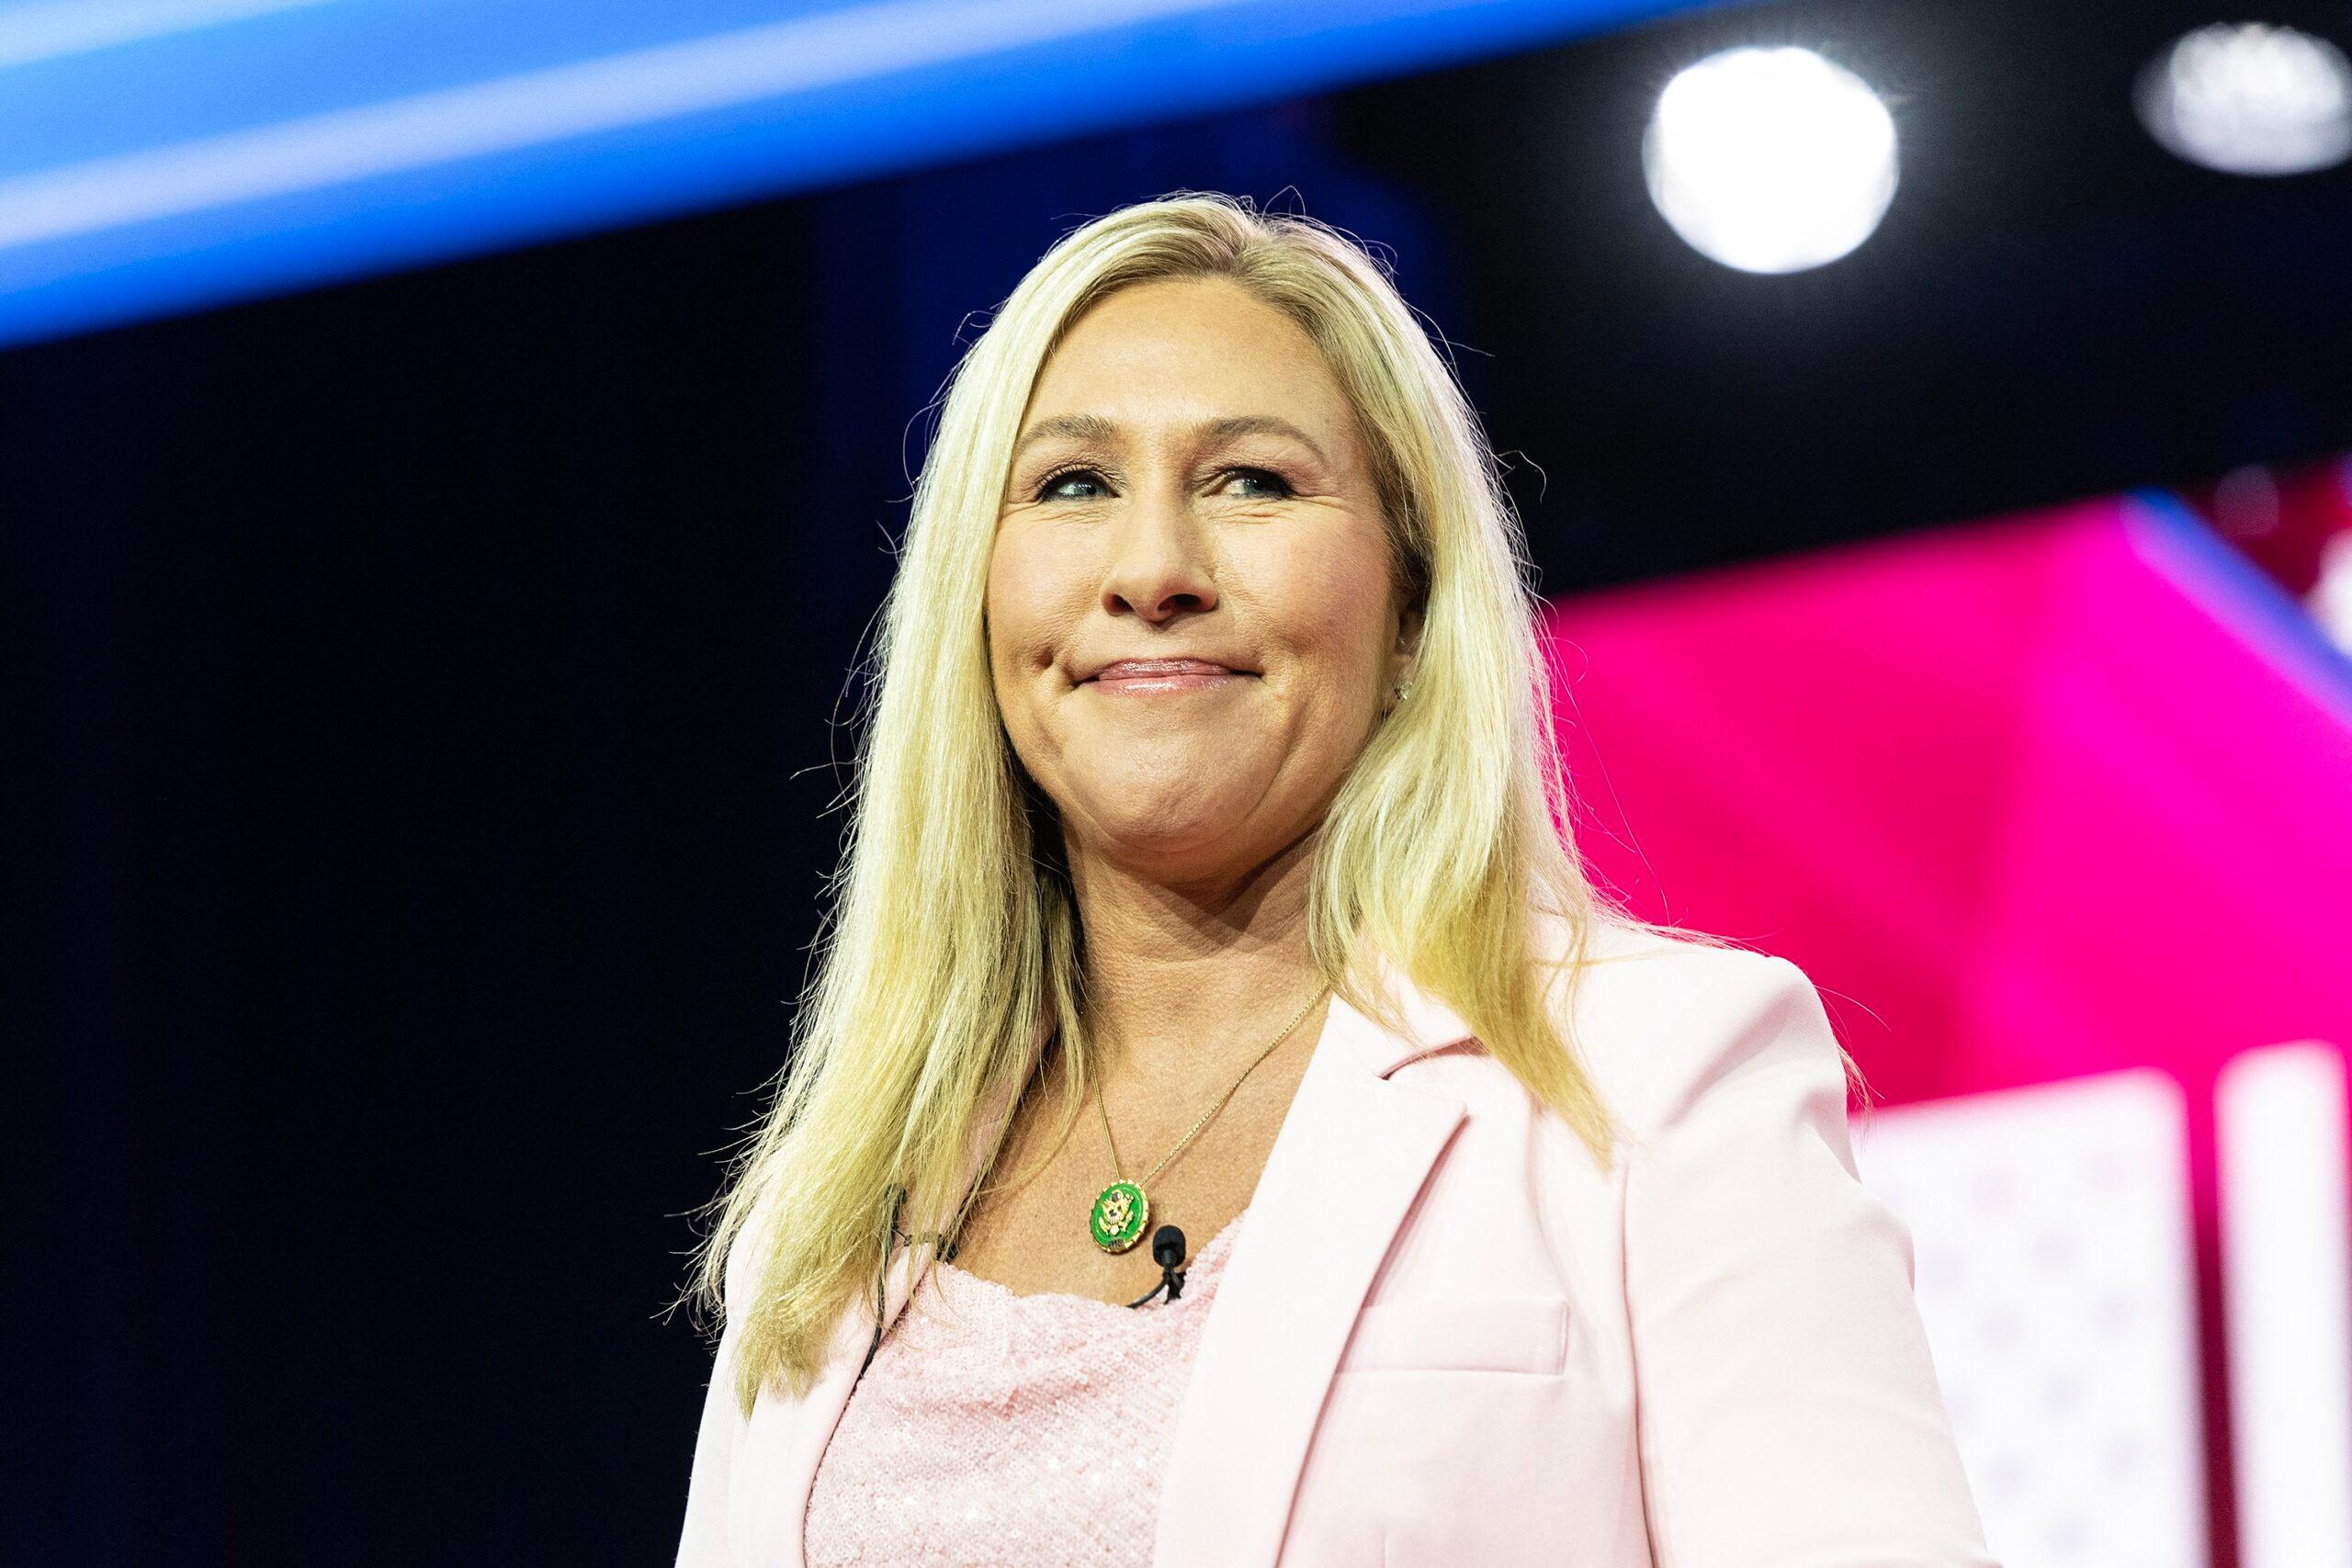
(449, 459)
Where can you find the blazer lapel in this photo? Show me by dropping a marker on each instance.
(786, 1443)
(1353, 1155)
(791, 1444)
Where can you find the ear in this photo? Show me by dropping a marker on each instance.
(1406, 653)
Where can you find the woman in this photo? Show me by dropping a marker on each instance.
(1204, 879)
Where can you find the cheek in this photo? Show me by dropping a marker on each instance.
(1028, 607)
(1330, 606)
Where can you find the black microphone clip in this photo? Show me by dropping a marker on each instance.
(1168, 1251)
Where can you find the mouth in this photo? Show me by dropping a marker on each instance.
(1143, 677)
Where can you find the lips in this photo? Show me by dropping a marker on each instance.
(1161, 669)
(1139, 675)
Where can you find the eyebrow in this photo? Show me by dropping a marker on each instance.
(1094, 427)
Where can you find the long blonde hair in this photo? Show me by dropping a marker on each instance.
(956, 940)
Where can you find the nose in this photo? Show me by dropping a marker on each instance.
(1159, 566)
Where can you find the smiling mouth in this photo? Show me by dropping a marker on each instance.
(1143, 677)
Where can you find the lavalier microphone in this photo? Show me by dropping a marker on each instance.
(1168, 1251)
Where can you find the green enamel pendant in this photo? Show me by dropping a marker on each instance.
(1120, 1213)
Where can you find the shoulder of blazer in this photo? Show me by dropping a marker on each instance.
(1651, 1013)
(1677, 1020)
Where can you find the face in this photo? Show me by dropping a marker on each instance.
(1191, 624)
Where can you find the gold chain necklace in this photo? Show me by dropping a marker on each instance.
(1121, 1210)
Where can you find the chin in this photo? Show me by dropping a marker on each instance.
(1162, 832)
(1156, 823)
(1156, 800)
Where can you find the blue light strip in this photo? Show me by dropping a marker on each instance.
(159, 155)
(2184, 547)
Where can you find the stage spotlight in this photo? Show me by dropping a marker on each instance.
(1770, 160)
(2247, 98)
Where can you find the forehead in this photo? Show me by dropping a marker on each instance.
(1177, 351)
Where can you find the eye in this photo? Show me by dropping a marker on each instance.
(1281, 487)
(1045, 486)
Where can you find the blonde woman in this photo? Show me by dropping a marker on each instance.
(1225, 1127)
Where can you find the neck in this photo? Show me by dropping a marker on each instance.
(1189, 979)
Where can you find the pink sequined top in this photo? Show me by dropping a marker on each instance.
(1002, 1428)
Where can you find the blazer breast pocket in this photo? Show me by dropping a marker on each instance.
(1469, 1334)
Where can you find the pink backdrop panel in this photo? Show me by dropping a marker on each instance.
(2032, 797)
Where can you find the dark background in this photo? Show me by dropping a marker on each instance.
(424, 697)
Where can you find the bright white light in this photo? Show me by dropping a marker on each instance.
(2246, 98)
(1770, 160)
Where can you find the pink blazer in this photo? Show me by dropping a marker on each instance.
(1446, 1337)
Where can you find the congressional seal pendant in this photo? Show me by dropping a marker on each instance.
(1120, 1213)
